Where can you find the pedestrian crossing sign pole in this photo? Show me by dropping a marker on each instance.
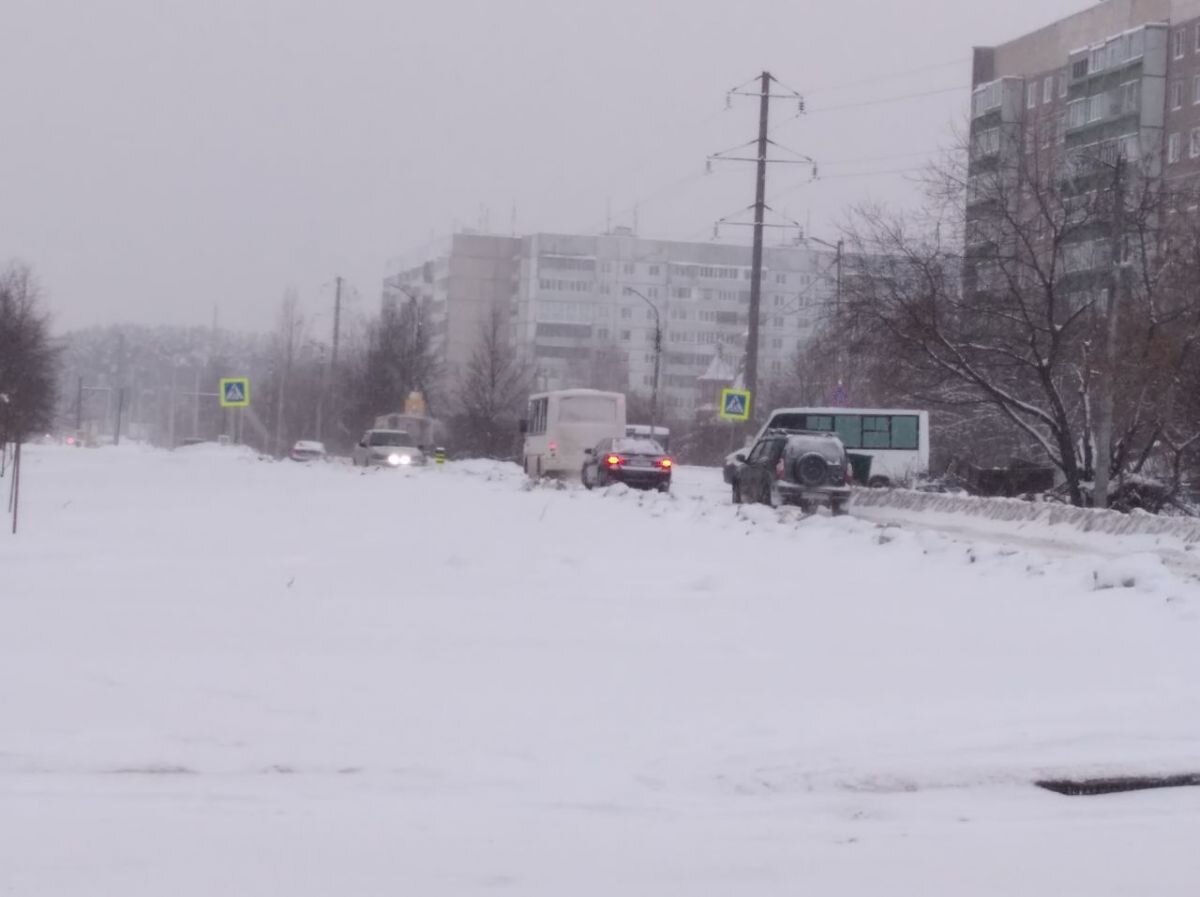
(735, 404)
(235, 392)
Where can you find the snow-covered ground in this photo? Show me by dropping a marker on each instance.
(221, 675)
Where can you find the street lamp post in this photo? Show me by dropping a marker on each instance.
(657, 357)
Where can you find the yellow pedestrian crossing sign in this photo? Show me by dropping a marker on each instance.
(235, 392)
(735, 404)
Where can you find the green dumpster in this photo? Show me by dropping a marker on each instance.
(860, 465)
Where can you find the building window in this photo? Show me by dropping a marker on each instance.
(1031, 96)
(1028, 141)
(1194, 145)
(1177, 43)
(630, 268)
(1047, 89)
(654, 270)
(1196, 90)
(779, 320)
(602, 333)
(1129, 96)
(627, 313)
(1062, 85)
(625, 336)
(781, 278)
(1173, 143)
(652, 292)
(1176, 94)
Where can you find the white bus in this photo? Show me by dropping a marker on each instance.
(563, 423)
(897, 440)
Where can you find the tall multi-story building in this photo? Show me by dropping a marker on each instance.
(581, 309)
(1118, 80)
(1120, 77)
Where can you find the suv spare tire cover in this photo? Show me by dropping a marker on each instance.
(811, 469)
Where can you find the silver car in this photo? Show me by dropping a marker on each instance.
(387, 448)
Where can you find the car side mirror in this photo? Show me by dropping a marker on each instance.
(741, 457)
(524, 426)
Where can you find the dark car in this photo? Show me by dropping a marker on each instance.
(634, 461)
(787, 467)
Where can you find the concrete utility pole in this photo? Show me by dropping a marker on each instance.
(1106, 394)
(658, 335)
(760, 206)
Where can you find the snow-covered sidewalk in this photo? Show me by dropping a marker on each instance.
(221, 674)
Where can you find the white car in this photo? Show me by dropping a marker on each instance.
(307, 450)
(387, 448)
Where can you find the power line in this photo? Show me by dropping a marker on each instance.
(888, 76)
(894, 99)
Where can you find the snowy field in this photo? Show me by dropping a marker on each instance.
(221, 675)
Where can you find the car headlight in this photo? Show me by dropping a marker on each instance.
(393, 459)
(399, 460)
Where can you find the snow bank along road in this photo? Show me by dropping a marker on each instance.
(224, 675)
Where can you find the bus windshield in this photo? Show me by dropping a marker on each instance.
(586, 409)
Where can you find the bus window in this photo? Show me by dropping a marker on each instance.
(849, 429)
(586, 409)
(876, 434)
(822, 422)
(905, 433)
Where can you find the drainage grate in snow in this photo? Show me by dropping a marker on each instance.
(1087, 787)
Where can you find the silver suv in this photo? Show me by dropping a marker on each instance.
(792, 467)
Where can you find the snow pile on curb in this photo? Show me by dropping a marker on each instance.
(1088, 520)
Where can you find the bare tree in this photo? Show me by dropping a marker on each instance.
(28, 358)
(997, 299)
(491, 392)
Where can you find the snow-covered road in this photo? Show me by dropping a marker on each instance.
(226, 675)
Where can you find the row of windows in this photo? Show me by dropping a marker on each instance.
(1120, 101)
(1179, 42)
(1178, 93)
(1046, 89)
(565, 263)
(862, 431)
(1117, 51)
(1175, 146)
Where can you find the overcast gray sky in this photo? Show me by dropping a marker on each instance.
(160, 157)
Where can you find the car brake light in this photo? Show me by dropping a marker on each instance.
(665, 463)
(614, 460)
(554, 448)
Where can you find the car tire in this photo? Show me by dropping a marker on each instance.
(583, 477)
(737, 493)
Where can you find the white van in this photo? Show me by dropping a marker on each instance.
(563, 424)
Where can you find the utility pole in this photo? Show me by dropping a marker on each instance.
(760, 205)
(337, 323)
(78, 406)
(760, 208)
(658, 335)
(330, 371)
(1106, 398)
(120, 411)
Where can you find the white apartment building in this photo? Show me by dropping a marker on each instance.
(580, 306)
